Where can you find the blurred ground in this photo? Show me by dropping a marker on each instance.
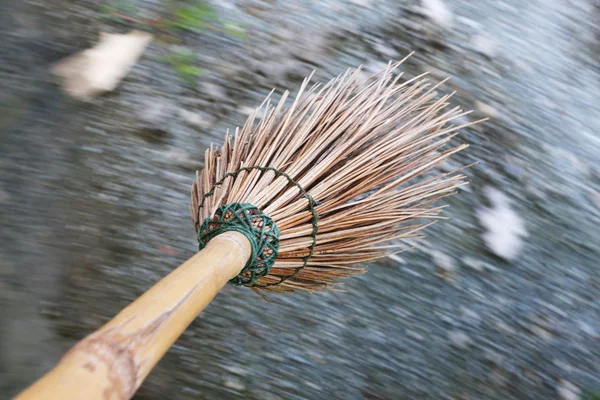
(93, 204)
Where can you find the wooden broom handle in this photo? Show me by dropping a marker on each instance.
(111, 363)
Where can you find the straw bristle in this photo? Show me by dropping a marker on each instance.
(364, 150)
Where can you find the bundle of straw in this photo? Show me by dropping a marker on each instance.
(362, 150)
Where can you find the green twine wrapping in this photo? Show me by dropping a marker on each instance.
(258, 227)
(265, 244)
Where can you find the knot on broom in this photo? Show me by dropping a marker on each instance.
(259, 228)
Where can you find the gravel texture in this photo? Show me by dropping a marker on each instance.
(94, 196)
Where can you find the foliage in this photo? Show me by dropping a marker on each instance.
(235, 30)
(177, 17)
(184, 62)
(192, 17)
(199, 16)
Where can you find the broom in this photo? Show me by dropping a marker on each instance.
(292, 202)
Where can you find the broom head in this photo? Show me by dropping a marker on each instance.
(364, 150)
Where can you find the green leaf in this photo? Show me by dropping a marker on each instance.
(235, 30)
(193, 17)
(190, 70)
(184, 64)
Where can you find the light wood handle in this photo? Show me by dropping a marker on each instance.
(112, 363)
